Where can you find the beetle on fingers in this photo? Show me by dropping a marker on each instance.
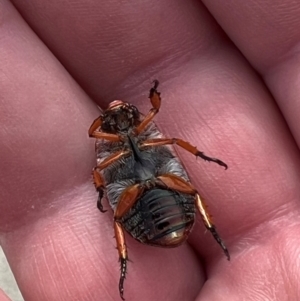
(145, 183)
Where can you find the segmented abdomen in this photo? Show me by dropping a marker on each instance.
(161, 217)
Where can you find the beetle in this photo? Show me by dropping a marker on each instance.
(146, 186)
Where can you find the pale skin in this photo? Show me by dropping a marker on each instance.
(243, 109)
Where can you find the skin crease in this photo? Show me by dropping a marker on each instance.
(231, 88)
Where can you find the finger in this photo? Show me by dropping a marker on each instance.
(239, 124)
(186, 54)
(72, 255)
(7, 280)
(57, 244)
(268, 35)
(3, 296)
(219, 125)
(108, 54)
(44, 116)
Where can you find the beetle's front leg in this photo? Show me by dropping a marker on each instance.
(156, 102)
(95, 133)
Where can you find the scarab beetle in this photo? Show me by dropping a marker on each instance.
(146, 185)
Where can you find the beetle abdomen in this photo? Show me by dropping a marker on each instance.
(161, 218)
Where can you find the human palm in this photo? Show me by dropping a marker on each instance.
(231, 89)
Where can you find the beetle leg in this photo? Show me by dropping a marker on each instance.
(201, 207)
(171, 181)
(178, 184)
(112, 159)
(126, 201)
(185, 145)
(106, 136)
(100, 186)
(95, 125)
(93, 132)
(98, 178)
(156, 102)
(122, 250)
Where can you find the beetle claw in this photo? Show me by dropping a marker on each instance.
(209, 159)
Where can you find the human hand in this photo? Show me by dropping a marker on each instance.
(58, 245)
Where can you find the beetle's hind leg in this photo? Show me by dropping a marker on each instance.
(126, 201)
(178, 184)
(201, 207)
(122, 249)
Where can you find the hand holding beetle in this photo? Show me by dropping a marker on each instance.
(145, 183)
(58, 244)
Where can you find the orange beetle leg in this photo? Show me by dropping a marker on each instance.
(176, 183)
(98, 178)
(127, 200)
(100, 186)
(122, 249)
(106, 136)
(95, 125)
(156, 102)
(112, 159)
(206, 218)
(94, 133)
(185, 145)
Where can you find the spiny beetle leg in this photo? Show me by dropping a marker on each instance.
(219, 240)
(201, 207)
(122, 249)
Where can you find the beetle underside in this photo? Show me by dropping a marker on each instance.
(146, 186)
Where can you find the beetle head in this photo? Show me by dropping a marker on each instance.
(120, 117)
